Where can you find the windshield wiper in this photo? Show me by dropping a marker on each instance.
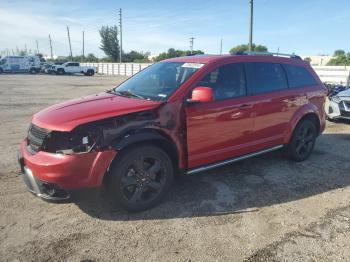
(126, 93)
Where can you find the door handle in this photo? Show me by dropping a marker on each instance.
(245, 106)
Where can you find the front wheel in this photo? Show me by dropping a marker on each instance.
(140, 178)
(33, 71)
(60, 71)
(303, 141)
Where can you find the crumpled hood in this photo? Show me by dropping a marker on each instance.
(345, 93)
(68, 115)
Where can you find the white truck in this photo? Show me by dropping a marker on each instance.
(74, 68)
(20, 64)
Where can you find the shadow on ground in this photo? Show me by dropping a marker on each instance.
(245, 186)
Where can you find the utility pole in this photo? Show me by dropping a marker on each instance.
(70, 46)
(191, 44)
(251, 2)
(121, 36)
(50, 46)
(221, 47)
(83, 45)
(37, 46)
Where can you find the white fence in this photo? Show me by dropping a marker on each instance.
(329, 74)
(124, 69)
(333, 74)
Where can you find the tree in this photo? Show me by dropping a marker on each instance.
(245, 48)
(176, 53)
(136, 57)
(307, 59)
(340, 58)
(91, 58)
(110, 42)
(339, 52)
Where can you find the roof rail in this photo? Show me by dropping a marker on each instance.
(268, 54)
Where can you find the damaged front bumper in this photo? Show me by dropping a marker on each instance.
(53, 176)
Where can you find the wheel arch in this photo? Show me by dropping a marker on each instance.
(309, 112)
(147, 137)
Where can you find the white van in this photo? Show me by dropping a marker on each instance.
(20, 64)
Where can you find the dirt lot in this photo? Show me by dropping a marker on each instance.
(263, 209)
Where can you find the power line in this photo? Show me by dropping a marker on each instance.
(50, 46)
(121, 36)
(70, 46)
(191, 44)
(251, 3)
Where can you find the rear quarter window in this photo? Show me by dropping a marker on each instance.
(265, 77)
(299, 76)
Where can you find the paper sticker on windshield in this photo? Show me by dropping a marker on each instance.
(192, 65)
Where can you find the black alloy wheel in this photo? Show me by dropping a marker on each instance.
(143, 180)
(303, 141)
(141, 177)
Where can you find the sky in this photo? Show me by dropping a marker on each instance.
(306, 27)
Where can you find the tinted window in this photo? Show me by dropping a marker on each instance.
(266, 77)
(298, 76)
(159, 81)
(227, 81)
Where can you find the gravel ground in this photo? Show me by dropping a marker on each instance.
(262, 209)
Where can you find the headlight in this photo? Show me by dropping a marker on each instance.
(336, 99)
(69, 143)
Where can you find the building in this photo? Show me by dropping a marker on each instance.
(317, 60)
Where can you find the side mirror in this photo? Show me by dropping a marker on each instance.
(202, 94)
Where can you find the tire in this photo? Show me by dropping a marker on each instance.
(140, 178)
(90, 72)
(60, 71)
(1, 71)
(303, 141)
(32, 71)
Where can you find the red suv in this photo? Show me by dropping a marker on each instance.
(179, 116)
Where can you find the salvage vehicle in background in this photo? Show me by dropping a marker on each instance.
(338, 103)
(73, 68)
(179, 116)
(20, 64)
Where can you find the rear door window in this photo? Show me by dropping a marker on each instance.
(298, 76)
(265, 77)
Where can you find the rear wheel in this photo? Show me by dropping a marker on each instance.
(33, 71)
(303, 141)
(90, 72)
(60, 71)
(140, 178)
(1, 70)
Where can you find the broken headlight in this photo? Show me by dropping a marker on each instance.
(69, 142)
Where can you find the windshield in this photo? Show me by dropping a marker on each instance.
(158, 81)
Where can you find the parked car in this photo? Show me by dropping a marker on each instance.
(338, 105)
(74, 68)
(180, 116)
(20, 64)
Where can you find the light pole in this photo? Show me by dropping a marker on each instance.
(251, 3)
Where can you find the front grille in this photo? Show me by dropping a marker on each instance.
(36, 137)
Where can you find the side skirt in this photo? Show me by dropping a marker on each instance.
(232, 160)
